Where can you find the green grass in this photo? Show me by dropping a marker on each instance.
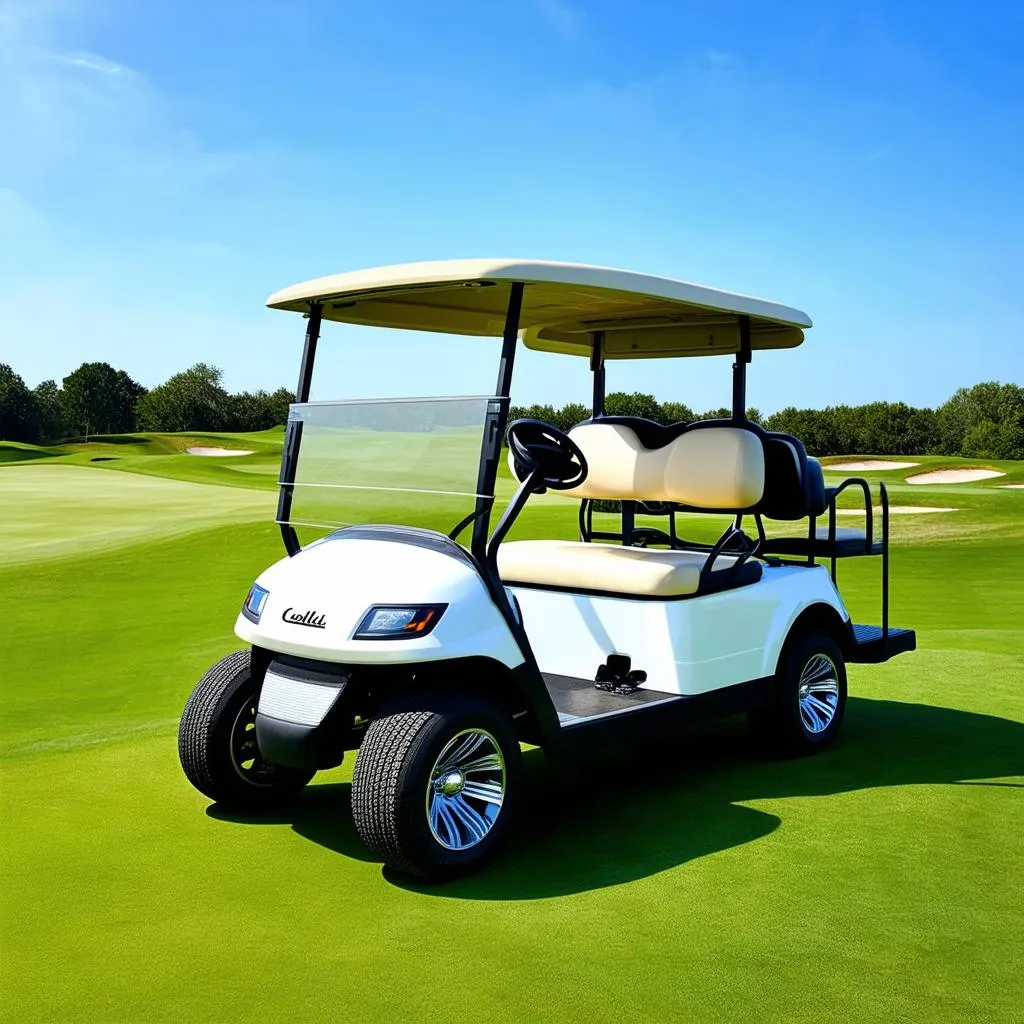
(879, 881)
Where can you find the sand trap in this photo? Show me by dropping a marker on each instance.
(896, 510)
(953, 476)
(217, 452)
(867, 464)
(1011, 487)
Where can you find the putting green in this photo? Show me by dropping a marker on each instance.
(879, 881)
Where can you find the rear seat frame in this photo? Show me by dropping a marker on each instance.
(654, 436)
(814, 505)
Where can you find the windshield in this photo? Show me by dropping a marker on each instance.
(409, 462)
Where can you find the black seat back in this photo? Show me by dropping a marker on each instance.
(794, 484)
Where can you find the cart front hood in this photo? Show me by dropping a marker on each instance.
(318, 598)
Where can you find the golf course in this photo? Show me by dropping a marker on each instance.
(882, 880)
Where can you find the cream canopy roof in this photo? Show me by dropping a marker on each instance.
(563, 305)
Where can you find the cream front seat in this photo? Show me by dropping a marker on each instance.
(714, 466)
(574, 565)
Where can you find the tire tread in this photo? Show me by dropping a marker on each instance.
(204, 749)
(195, 731)
(376, 784)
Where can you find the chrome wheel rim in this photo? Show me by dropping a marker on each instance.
(245, 753)
(818, 693)
(466, 790)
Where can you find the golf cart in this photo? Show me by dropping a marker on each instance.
(435, 659)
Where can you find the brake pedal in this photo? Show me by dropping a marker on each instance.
(615, 676)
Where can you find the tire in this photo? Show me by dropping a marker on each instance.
(408, 799)
(809, 699)
(217, 741)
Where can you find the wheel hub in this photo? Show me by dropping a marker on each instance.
(450, 784)
(818, 694)
(466, 789)
(245, 752)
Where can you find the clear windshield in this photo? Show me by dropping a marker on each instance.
(410, 462)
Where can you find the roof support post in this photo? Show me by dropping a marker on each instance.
(739, 372)
(293, 431)
(597, 366)
(494, 427)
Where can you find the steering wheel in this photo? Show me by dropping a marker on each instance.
(538, 446)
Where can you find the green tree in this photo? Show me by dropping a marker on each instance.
(619, 403)
(989, 402)
(569, 415)
(49, 410)
(129, 392)
(1010, 443)
(97, 399)
(192, 400)
(278, 404)
(677, 412)
(982, 441)
(816, 428)
(19, 419)
(893, 428)
(258, 410)
(721, 413)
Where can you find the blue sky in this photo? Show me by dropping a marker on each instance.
(165, 166)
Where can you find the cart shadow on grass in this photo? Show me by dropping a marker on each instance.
(635, 812)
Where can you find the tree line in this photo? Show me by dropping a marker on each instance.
(984, 421)
(98, 399)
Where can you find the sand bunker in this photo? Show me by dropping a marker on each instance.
(868, 464)
(1011, 487)
(896, 510)
(953, 476)
(217, 452)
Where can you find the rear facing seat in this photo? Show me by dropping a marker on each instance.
(794, 483)
(712, 466)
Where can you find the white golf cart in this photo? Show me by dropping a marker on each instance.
(435, 659)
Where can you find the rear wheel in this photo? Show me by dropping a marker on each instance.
(435, 784)
(217, 741)
(810, 697)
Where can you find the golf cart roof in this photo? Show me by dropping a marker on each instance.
(564, 304)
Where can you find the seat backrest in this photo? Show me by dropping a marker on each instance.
(817, 500)
(794, 485)
(715, 465)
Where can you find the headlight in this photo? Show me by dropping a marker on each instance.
(398, 621)
(252, 607)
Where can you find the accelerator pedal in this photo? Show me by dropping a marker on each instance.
(615, 676)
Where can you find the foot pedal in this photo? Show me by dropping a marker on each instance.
(615, 676)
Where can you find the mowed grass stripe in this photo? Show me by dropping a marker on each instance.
(117, 638)
(54, 511)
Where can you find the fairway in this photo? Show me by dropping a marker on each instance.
(879, 881)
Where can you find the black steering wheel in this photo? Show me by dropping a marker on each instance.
(539, 447)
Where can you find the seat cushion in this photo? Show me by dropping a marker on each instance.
(575, 565)
(849, 541)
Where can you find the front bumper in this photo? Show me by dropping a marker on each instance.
(304, 715)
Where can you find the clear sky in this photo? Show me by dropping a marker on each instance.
(164, 166)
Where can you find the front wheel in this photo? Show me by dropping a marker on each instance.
(810, 697)
(217, 741)
(435, 784)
